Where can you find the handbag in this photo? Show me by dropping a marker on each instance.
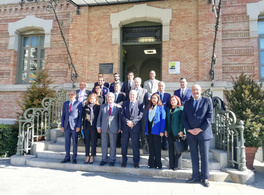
(180, 145)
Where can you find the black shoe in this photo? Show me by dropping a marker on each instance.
(65, 161)
(123, 165)
(74, 161)
(205, 183)
(90, 163)
(102, 163)
(172, 169)
(158, 167)
(164, 148)
(136, 165)
(193, 180)
(150, 167)
(112, 164)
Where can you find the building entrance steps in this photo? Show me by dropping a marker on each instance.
(49, 154)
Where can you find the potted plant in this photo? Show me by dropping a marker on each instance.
(246, 100)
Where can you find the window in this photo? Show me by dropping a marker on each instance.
(32, 54)
(261, 49)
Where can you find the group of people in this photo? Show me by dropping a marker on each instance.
(123, 110)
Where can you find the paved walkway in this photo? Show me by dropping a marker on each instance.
(23, 180)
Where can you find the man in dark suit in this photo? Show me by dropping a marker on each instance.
(82, 93)
(197, 119)
(142, 97)
(71, 120)
(128, 85)
(120, 97)
(109, 125)
(100, 75)
(132, 113)
(117, 80)
(105, 90)
(183, 93)
(165, 99)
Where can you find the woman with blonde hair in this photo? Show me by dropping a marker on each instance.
(89, 114)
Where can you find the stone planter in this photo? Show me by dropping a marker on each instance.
(250, 156)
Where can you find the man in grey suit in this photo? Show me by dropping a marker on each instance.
(82, 93)
(109, 125)
(151, 85)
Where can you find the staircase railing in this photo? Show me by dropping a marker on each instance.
(229, 134)
(34, 123)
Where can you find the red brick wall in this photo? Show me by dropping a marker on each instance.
(240, 52)
(90, 42)
(191, 36)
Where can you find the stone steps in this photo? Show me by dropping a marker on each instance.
(59, 147)
(186, 162)
(215, 175)
(48, 154)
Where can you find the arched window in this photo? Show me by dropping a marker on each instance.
(29, 37)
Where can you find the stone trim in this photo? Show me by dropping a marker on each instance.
(137, 13)
(253, 11)
(30, 22)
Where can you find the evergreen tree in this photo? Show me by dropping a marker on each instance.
(39, 89)
(246, 100)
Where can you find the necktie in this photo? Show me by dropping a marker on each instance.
(129, 85)
(151, 84)
(116, 96)
(161, 96)
(131, 107)
(110, 110)
(195, 104)
(182, 93)
(70, 107)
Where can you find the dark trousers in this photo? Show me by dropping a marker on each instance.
(118, 142)
(135, 145)
(69, 133)
(164, 141)
(154, 142)
(204, 153)
(90, 134)
(175, 160)
(143, 125)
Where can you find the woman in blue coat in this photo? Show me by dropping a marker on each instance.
(154, 129)
(174, 130)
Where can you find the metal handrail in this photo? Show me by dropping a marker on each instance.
(35, 122)
(229, 136)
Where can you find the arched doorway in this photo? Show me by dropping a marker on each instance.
(141, 49)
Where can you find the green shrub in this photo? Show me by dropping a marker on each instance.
(8, 140)
(246, 100)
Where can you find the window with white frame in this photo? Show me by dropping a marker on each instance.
(32, 54)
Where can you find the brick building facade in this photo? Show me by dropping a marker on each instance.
(95, 36)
